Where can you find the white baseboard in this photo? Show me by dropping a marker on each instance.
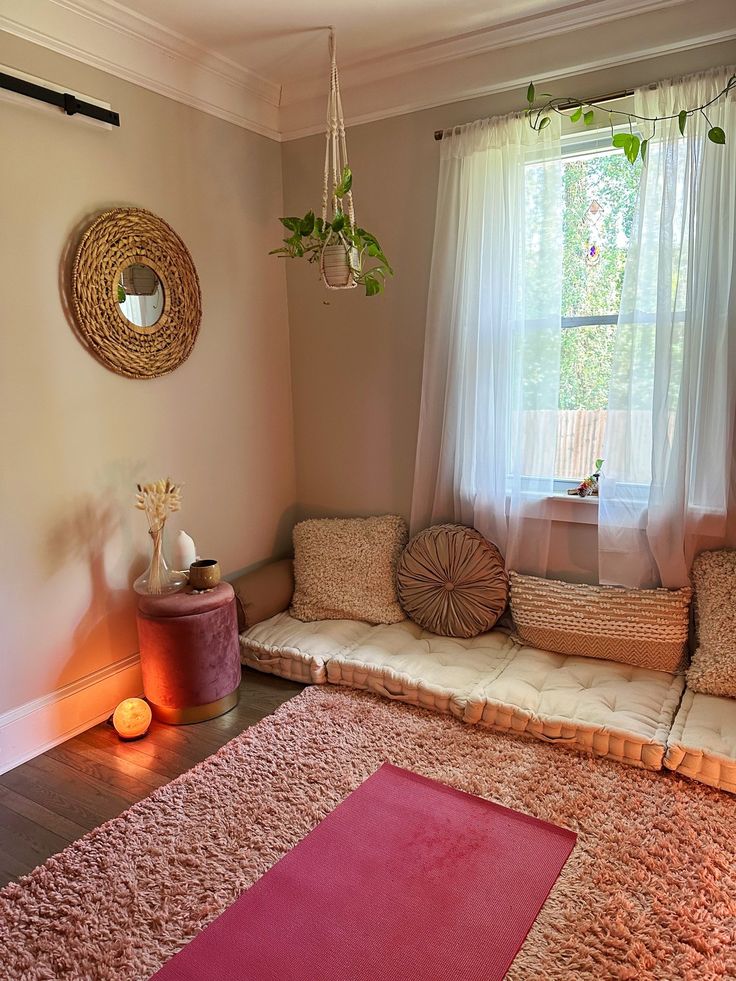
(31, 729)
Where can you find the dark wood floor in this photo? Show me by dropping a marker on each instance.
(56, 798)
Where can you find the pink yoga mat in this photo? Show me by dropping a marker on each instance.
(406, 880)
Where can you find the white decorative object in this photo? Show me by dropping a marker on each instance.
(183, 551)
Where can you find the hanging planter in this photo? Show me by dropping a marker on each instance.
(348, 255)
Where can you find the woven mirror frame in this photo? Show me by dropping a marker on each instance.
(116, 240)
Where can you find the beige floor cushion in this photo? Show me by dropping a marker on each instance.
(409, 664)
(596, 706)
(702, 743)
(293, 649)
(614, 710)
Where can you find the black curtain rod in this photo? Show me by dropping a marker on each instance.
(63, 100)
(439, 133)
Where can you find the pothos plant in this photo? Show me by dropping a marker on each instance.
(633, 144)
(311, 234)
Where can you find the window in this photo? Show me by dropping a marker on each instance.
(600, 195)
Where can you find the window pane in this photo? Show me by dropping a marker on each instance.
(600, 202)
(601, 191)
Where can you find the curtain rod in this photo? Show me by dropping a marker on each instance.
(625, 93)
(63, 100)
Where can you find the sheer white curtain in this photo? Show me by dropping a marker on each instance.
(669, 440)
(488, 423)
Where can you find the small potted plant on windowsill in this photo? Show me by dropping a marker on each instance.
(348, 256)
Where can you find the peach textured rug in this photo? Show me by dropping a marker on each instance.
(648, 893)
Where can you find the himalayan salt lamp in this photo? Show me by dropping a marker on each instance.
(132, 718)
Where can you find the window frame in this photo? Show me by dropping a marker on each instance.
(555, 505)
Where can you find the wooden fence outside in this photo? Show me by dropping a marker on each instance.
(580, 436)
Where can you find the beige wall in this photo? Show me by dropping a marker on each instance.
(75, 438)
(357, 363)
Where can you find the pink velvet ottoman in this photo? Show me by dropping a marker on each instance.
(190, 657)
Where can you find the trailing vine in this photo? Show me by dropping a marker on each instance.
(631, 143)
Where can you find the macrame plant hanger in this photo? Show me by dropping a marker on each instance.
(339, 258)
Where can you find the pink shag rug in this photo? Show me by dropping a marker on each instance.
(648, 893)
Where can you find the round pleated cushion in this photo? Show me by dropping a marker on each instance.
(452, 582)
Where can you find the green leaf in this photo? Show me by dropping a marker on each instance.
(598, 464)
(306, 226)
(291, 223)
(346, 182)
(530, 93)
(588, 117)
(295, 246)
(372, 286)
(643, 150)
(632, 150)
(716, 135)
(681, 120)
(577, 115)
(621, 140)
(544, 122)
(338, 222)
(121, 293)
(366, 236)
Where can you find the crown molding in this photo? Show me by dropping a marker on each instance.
(505, 35)
(471, 91)
(108, 36)
(500, 62)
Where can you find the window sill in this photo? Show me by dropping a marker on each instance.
(565, 508)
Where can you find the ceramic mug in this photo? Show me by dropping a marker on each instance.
(204, 574)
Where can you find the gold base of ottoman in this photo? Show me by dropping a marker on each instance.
(195, 713)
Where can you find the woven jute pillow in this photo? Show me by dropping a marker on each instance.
(644, 627)
(713, 668)
(345, 569)
(451, 581)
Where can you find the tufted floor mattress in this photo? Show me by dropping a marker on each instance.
(702, 743)
(598, 706)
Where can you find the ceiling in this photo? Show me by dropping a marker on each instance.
(287, 42)
(263, 65)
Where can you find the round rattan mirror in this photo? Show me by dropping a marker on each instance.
(136, 293)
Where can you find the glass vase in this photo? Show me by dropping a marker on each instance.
(158, 577)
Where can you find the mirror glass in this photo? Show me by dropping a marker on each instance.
(140, 295)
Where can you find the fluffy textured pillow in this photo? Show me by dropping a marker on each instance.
(644, 627)
(713, 668)
(452, 582)
(345, 569)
